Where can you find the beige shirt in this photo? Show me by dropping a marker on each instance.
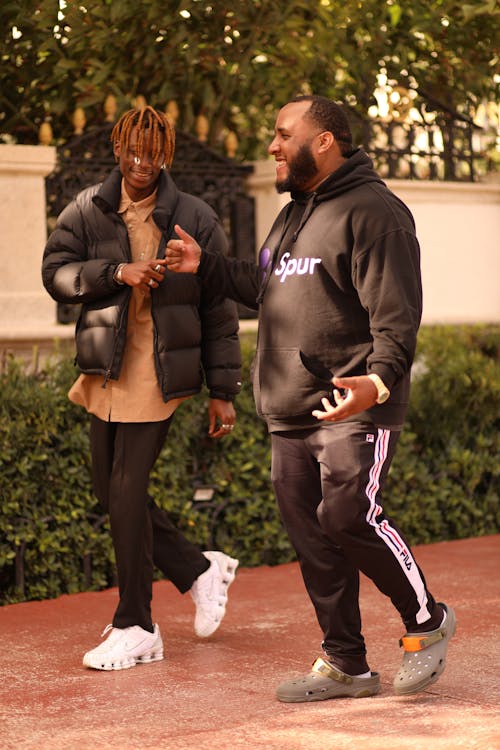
(136, 395)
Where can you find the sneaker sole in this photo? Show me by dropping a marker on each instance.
(115, 666)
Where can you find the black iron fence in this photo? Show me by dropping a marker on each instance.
(441, 150)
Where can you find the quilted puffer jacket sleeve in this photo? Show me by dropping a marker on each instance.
(68, 274)
(221, 355)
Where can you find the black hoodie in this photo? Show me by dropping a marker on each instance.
(341, 286)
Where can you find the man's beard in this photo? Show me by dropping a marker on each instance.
(301, 169)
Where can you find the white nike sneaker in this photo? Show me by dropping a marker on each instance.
(124, 648)
(209, 592)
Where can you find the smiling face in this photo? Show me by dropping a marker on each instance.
(292, 147)
(305, 153)
(139, 170)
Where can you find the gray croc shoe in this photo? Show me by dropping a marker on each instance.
(326, 681)
(424, 656)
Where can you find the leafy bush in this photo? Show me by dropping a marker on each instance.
(444, 482)
(47, 505)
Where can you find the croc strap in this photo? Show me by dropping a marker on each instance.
(414, 643)
(328, 670)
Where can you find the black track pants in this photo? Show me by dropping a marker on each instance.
(328, 482)
(123, 455)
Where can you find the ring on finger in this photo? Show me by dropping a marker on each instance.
(157, 268)
(228, 427)
(151, 282)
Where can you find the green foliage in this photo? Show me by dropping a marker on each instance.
(46, 500)
(237, 62)
(444, 481)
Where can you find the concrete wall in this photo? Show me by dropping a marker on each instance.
(22, 218)
(27, 314)
(458, 225)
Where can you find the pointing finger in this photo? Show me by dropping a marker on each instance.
(185, 237)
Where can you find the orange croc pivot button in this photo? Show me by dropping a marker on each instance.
(412, 643)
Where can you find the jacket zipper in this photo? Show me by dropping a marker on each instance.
(107, 375)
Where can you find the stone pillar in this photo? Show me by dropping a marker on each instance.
(23, 300)
(28, 326)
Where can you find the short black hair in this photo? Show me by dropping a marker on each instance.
(329, 115)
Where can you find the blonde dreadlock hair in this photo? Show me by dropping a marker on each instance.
(162, 133)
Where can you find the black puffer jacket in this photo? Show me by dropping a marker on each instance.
(195, 331)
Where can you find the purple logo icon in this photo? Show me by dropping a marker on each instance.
(264, 258)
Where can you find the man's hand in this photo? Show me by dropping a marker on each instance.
(222, 411)
(361, 394)
(183, 255)
(144, 274)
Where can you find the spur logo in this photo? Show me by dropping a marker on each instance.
(290, 266)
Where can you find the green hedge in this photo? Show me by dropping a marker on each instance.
(444, 482)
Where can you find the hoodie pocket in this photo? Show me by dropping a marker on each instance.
(283, 387)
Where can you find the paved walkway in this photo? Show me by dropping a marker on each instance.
(218, 694)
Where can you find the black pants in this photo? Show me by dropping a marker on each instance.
(328, 482)
(123, 455)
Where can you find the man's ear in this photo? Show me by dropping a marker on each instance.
(326, 140)
(117, 149)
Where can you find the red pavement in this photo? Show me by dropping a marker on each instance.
(218, 694)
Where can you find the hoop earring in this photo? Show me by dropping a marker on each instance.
(137, 160)
(163, 166)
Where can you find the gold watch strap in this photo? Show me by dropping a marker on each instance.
(383, 392)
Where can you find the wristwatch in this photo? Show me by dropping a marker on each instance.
(117, 276)
(383, 392)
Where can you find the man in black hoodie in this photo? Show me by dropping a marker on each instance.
(339, 295)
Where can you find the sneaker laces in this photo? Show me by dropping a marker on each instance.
(115, 634)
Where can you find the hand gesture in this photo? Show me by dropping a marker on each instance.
(183, 255)
(360, 394)
(144, 274)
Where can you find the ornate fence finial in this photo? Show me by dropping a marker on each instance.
(45, 134)
(231, 144)
(110, 108)
(139, 102)
(172, 111)
(79, 121)
(202, 126)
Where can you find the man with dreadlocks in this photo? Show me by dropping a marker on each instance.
(144, 337)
